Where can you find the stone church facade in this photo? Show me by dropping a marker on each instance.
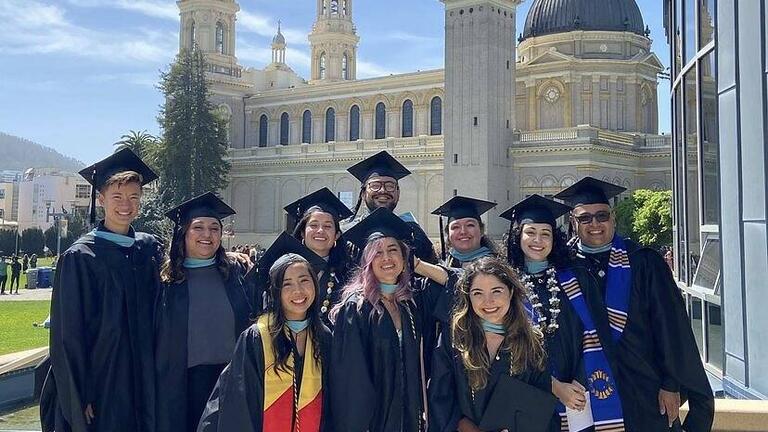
(574, 96)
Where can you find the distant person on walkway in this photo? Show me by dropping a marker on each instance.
(25, 263)
(3, 274)
(33, 261)
(15, 274)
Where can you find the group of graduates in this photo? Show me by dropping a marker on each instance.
(352, 322)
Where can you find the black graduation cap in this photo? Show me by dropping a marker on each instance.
(382, 163)
(517, 407)
(382, 222)
(285, 244)
(122, 160)
(323, 198)
(536, 209)
(205, 205)
(460, 207)
(590, 190)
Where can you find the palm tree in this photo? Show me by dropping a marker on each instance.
(142, 143)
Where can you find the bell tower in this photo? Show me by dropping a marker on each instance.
(334, 42)
(210, 24)
(479, 99)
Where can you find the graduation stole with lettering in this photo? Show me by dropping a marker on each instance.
(281, 403)
(604, 397)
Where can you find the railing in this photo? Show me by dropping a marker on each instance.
(548, 135)
(587, 133)
(293, 150)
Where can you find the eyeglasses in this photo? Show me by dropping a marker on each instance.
(586, 218)
(376, 186)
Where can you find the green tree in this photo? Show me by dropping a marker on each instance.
(50, 238)
(191, 157)
(653, 217)
(32, 241)
(7, 242)
(625, 217)
(142, 143)
(75, 228)
(151, 217)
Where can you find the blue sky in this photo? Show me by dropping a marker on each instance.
(77, 74)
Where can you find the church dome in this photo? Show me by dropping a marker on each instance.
(279, 39)
(560, 16)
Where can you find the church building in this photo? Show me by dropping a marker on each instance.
(511, 114)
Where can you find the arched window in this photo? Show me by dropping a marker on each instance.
(354, 123)
(192, 35)
(220, 38)
(334, 7)
(344, 7)
(306, 127)
(284, 125)
(407, 118)
(381, 121)
(330, 125)
(344, 67)
(322, 66)
(263, 128)
(436, 116)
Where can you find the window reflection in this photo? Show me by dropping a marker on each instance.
(696, 323)
(692, 168)
(706, 21)
(709, 137)
(714, 336)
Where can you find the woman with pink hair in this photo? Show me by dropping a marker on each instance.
(377, 380)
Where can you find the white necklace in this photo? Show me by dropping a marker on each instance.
(554, 301)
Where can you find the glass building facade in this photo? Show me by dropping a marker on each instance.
(718, 73)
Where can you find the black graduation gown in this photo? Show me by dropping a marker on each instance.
(377, 384)
(657, 349)
(237, 401)
(564, 345)
(171, 347)
(333, 277)
(450, 397)
(101, 342)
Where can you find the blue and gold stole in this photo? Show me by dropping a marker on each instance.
(604, 397)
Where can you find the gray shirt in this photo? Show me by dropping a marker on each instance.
(211, 323)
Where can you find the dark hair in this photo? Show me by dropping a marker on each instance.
(173, 268)
(521, 340)
(281, 343)
(338, 257)
(516, 258)
(450, 261)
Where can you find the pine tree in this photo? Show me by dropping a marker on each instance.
(191, 157)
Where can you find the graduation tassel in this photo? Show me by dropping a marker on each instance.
(92, 215)
(442, 239)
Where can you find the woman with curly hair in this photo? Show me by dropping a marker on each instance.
(489, 370)
(378, 375)
(201, 311)
(277, 378)
(537, 249)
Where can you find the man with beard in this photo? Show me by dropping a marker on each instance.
(641, 362)
(379, 176)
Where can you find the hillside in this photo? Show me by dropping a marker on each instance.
(19, 154)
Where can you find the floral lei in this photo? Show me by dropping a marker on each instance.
(554, 300)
